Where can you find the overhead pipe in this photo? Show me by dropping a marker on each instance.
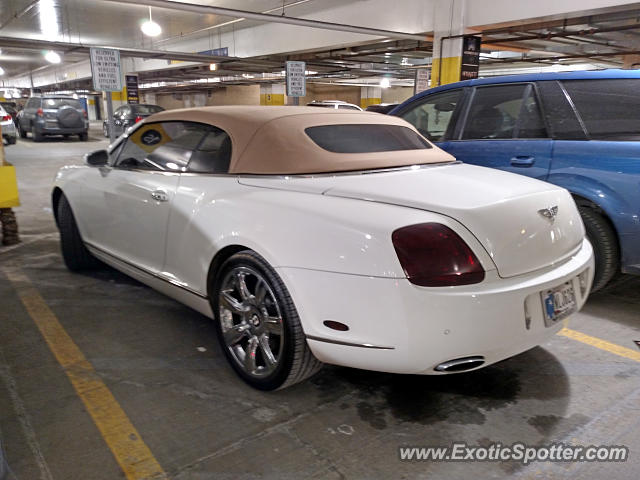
(265, 17)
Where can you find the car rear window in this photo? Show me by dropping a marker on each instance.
(146, 109)
(61, 102)
(366, 138)
(609, 108)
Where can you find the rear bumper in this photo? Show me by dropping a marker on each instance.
(395, 326)
(9, 129)
(48, 129)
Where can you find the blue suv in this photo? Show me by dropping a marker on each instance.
(578, 130)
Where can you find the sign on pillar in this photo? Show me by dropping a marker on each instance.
(470, 57)
(296, 80)
(131, 81)
(465, 63)
(107, 77)
(421, 81)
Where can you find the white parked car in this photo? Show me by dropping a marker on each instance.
(9, 132)
(328, 236)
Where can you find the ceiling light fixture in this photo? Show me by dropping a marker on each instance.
(52, 57)
(1, 71)
(150, 28)
(385, 83)
(213, 66)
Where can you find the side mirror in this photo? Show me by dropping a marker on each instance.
(444, 107)
(98, 158)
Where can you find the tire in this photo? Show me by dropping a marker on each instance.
(605, 246)
(23, 133)
(66, 136)
(37, 137)
(74, 253)
(83, 136)
(263, 317)
(12, 140)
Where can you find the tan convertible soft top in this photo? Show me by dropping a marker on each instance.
(272, 140)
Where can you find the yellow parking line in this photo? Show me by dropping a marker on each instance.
(126, 444)
(601, 344)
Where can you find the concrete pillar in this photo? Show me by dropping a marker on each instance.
(272, 94)
(370, 96)
(631, 62)
(449, 20)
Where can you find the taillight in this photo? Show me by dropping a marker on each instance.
(40, 112)
(6, 118)
(433, 255)
(138, 118)
(84, 113)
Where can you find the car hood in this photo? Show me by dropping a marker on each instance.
(510, 215)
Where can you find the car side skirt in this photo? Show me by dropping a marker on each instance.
(187, 296)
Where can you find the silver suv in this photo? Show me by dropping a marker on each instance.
(53, 115)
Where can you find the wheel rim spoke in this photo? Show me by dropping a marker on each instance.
(242, 286)
(231, 303)
(269, 359)
(250, 355)
(261, 292)
(273, 325)
(234, 335)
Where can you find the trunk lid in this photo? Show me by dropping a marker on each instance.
(512, 216)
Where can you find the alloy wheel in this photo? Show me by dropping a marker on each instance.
(251, 322)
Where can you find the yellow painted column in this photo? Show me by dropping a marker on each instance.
(277, 94)
(450, 70)
(272, 94)
(8, 181)
(370, 96)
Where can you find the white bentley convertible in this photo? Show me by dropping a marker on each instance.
(332, 236)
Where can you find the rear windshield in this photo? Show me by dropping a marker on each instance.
(366, 138)
(609, 108)
(60, 102)
(146, 109)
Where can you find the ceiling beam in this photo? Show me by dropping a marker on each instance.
(266, 17)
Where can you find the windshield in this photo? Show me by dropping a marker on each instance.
(61, 102)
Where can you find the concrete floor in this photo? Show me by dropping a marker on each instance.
(163, 365)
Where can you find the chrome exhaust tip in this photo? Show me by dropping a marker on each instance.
(460, 364)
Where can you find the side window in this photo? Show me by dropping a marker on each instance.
(494, 112)
(165, 146)
(213, 155)
(433, 116)
(530, 122)
(609, 108)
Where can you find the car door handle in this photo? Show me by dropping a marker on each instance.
(160, 196)
(523, 161)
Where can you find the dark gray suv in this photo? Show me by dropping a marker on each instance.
(53, 115)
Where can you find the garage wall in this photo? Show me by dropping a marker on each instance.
(250, 95)
(396, 94)
(232, 95)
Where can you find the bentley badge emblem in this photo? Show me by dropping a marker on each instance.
(549, 213)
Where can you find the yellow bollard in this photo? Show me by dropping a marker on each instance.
(8, 199)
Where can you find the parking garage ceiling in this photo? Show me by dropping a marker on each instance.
(28, 27)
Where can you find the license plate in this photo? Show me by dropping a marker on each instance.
(558, 303)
